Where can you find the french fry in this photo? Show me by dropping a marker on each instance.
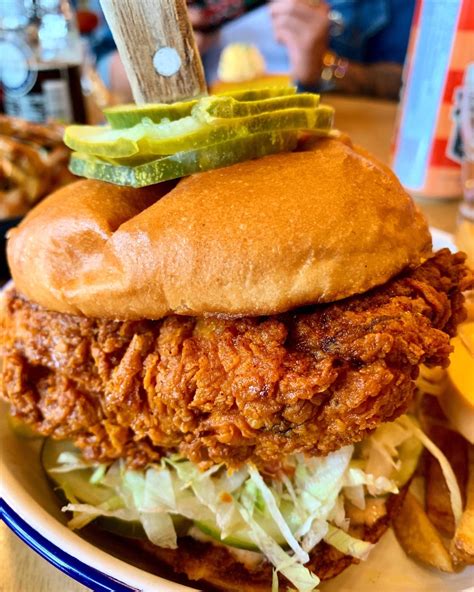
(429, 412)
(462, 545)
(438, 502)
(419, 538)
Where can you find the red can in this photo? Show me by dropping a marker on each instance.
(427, 149)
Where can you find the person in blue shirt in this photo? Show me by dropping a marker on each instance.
(368, 42)
(349, 46)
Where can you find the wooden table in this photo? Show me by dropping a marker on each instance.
(370, 123)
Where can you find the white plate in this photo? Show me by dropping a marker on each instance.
(442, 239)
(31, 509)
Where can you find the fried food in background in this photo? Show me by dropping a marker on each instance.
(426, 527)
(419, 524)
(462, 545)
(33, 162)
(418, 537)
(438, 504)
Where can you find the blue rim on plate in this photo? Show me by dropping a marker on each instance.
(74, 568)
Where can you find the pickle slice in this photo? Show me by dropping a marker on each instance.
(124, 116)
(145, 142)
(222, 130)
(227, 107)
(185, 163)
(258, 94)
(120, 143)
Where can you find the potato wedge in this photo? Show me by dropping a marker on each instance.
(419, 538)
(462, 545)
(438, 502)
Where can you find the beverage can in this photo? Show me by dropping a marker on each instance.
(427, 147)
(465, 228)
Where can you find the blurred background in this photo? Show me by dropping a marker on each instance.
(399, 72)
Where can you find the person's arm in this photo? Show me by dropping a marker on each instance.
(382, 79)
(303, 27)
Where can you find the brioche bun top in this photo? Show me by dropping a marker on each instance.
(256, 238)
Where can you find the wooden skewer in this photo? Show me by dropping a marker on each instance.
(156, 44)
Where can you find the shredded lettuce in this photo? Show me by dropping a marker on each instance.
(303, 579)
(316, 533)
(284, 518)
(356, 495)
(375, 485)
(158, 492)
(98, 474)
(292, 494)
(275, 513)
(134, 488)
(320, 479)
(159, 528)
(338, 514)
(381, 450)
(448, 473)
(275, 585)
(432, 381)
(71, 461)
(86, 513)
(347, 544)
(113, 476)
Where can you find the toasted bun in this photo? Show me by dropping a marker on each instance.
(255, 238)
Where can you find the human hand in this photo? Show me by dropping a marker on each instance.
(303, 27)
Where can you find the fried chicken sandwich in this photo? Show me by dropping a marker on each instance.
(222, 366)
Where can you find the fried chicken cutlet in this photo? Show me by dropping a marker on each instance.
(219, 390)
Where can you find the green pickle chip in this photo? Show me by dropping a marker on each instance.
(184, 163)
(121, 143)
(147, 144)
(146, 141)
(219, 106)
(124, 116)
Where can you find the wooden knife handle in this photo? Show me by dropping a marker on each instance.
(156, 44)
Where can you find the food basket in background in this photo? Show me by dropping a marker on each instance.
(33, 163)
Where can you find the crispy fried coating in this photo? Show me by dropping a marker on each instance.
(231, 391)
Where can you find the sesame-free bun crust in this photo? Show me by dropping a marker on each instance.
(255, 238)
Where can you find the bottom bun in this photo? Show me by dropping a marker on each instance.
(216, 566)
